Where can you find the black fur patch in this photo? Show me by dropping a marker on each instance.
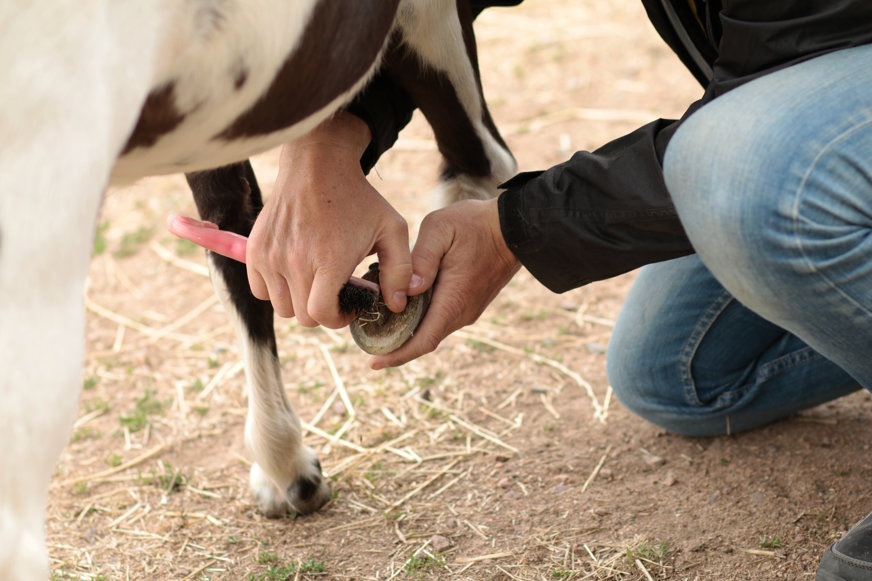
(159, 116)
(338, 46)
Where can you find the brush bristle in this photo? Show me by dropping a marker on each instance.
(354, 299)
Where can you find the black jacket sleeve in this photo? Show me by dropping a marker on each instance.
(597, 215)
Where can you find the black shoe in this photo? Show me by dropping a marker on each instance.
(850, 558)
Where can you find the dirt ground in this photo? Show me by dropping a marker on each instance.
(502, 456)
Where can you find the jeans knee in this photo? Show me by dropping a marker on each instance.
(645, 377)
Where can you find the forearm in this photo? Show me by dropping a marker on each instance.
(596, 216)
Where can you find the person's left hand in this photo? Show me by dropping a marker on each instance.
(322, 220)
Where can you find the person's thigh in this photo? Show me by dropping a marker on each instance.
(690, 358)
(773, 184)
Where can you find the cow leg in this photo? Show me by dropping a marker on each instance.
(286, 475)
(62, 119)
(433, 57)
(45, 242)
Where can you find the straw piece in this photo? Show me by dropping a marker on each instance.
(597, 469)
(228, 371)
(484, 557)
(644, 570)
(174, 260)
(128, 322)
(482, 432)
(425, 484)
(120, 468)
(185, 319)
(340, 385)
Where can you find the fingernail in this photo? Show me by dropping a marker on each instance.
(415, 282)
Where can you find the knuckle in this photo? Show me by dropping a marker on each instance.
(398, 224)
(283, 311)
(306, 321)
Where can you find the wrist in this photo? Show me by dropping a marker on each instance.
(499, 241)
(343, 137)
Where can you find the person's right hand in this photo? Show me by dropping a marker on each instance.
(321, 221)
(460, 247)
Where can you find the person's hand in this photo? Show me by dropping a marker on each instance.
(321, 221)
(464, 245)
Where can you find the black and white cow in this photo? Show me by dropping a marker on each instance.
(99, 92)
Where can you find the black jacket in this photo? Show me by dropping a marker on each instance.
(606, 212)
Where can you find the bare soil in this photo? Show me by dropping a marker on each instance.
(502, 456)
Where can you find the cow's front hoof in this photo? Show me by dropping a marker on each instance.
(378, 330)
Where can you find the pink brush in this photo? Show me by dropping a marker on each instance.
(229, 244)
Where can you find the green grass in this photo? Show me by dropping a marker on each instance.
(100, 239)
(648, 552)
(768, 543)
(85, 433)
(417, 566)
(131, 242)
(168, 478)
(278, 572)
(137, 418)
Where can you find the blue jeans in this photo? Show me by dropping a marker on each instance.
(773, 184)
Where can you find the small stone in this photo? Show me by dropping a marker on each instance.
(440, 543)
(606, 474)
(600, 511)
(595, 348)
(670, 479)
(505, 483)
(654, 461)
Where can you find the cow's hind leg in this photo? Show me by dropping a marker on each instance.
(286, 475)
(433, 58)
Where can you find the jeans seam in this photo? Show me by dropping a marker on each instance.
(691, 346)
(797, 217)
(785, 362)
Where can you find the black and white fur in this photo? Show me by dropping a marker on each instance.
(99, 92)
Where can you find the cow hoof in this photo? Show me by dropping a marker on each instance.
(378, 330)
(309, 492)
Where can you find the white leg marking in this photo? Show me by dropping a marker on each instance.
(272, 429)
(431, 28)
